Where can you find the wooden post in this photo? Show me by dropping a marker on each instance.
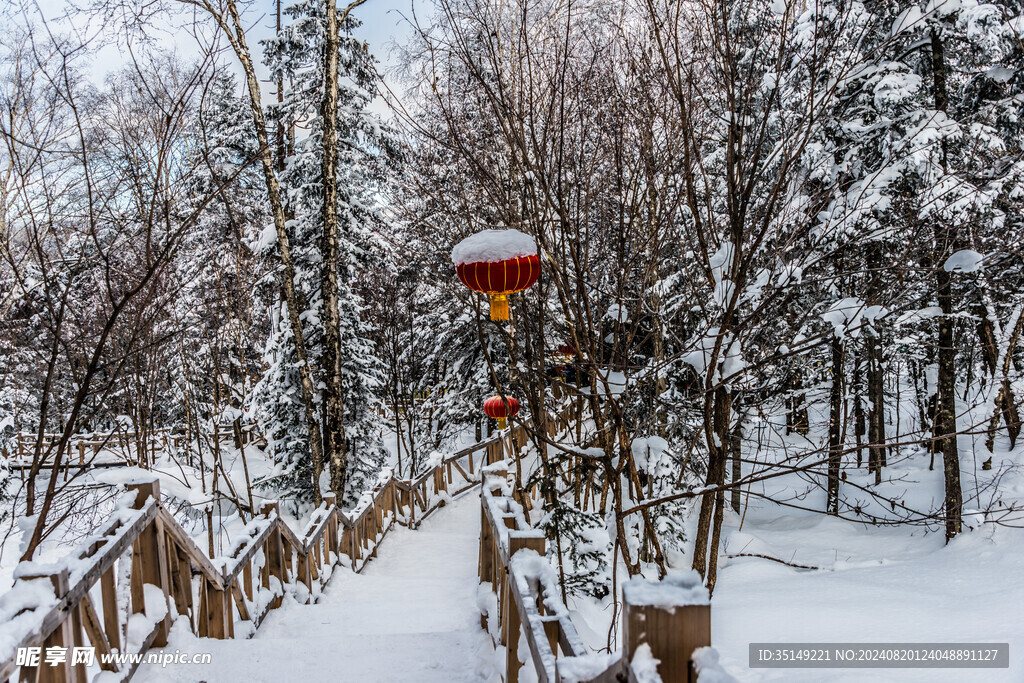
(63, 636)
(304, 575)
(220, 616)
(673, 616)
(111, 622)
(331, 535)
(517, 540)
(152, 553)
(274, 552)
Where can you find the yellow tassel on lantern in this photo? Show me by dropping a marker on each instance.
(501, 420)
(499, 307)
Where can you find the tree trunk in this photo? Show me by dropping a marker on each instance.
(236, 36)
(835, 431)
(735, 451)
(858, 407)
(876, 407)
(945, 421)
(334, 405)
(716, 414)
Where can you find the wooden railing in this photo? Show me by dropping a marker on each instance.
(526, 602)
(122, 443)
(82, 601)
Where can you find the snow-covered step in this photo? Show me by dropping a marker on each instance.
(410, 616)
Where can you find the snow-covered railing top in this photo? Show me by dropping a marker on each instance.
(63, 605)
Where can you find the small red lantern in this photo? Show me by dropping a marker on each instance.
(500, 409)
(497, 263)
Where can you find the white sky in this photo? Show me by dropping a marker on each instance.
(382, 26)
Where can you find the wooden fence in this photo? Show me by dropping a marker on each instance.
(123, 443)
(77, 605)
(527, 603)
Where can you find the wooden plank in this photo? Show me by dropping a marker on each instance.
(185, 542)
(240, 604)
(93, 630)
(152, 560)
(273, 550)
(111, 619)
(60, 637)
(221, 623)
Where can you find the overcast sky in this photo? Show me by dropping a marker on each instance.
(382, 26)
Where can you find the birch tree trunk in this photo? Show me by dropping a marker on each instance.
(334, 405)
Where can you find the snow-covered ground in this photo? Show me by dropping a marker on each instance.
(410, 616)
(875, 585)
(871, 584)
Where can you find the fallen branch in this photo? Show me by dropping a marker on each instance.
(774, 559)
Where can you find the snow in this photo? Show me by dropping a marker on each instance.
(721, 260)
(1000, 74)
(21, 609)
(266, 239)
(909, 19)
(723, 293)
(493, 245)
(964, 261)
(644, 665)
(584, 668)
(618, 313)
(848, 316)
(410, 616)
(609, 382)
(677, 589)
(709, 670)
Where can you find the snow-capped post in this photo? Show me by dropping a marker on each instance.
(274, 553)
(672, 617)
(497, 263)
(330, 500)
(517, 540)
(492, 478)
(151, 547)
(66, 635)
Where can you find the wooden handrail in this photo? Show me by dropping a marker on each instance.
(512, 563)
(243, 586)
(527, 599)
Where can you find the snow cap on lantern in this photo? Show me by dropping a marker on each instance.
(500, 409)
(497, 263)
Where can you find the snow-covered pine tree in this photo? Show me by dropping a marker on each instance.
(295, 57)
(216, 355)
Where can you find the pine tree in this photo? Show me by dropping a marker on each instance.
(295, 56)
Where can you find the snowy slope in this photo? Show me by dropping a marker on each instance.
(410, 616)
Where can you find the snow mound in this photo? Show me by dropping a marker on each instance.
(585, 667)
(493, 245)
(677, 589)
(645, 666)
(705, 661)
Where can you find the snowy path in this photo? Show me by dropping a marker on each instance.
(410, 616)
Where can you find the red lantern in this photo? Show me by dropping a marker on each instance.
(501, 410)
(497, 263)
